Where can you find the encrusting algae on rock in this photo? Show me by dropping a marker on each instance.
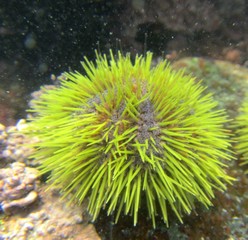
(126, 132)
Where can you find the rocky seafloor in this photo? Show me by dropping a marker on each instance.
(32, 210)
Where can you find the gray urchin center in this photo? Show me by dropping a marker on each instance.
(147, 125)
(147, 131)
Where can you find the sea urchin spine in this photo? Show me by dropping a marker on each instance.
(241, 126)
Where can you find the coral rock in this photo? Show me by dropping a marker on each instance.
(14, 145)
(17, 187)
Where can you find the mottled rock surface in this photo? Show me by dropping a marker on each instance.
(14, 145)
(18, 187)
(51, 218)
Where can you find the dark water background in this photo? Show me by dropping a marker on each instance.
(38, 38)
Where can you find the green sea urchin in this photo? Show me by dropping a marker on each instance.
(241, 125)
(125, 131)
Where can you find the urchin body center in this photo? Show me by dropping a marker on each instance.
(119, 113)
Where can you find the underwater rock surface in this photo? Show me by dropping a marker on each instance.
(18, 187)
